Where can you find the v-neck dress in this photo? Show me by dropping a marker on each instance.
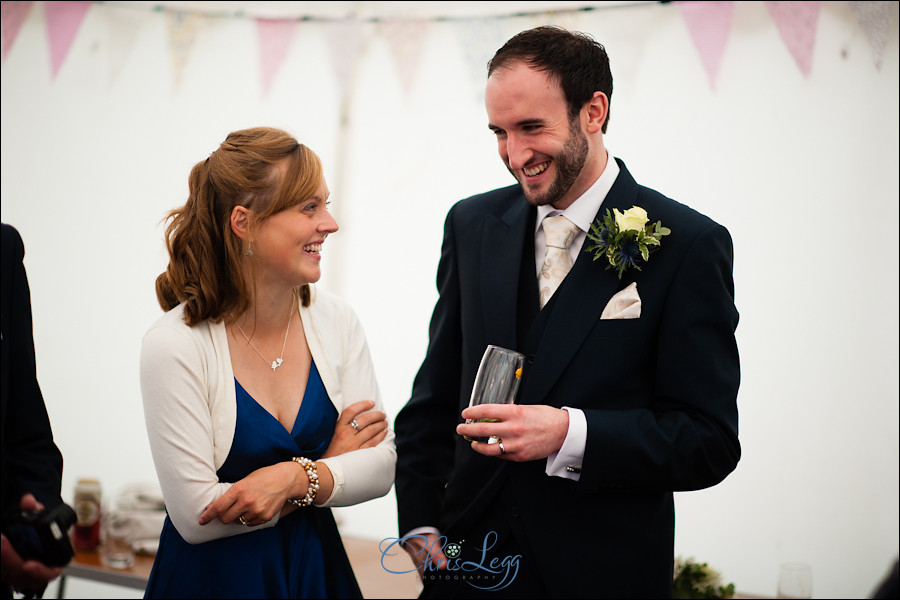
(300, 557)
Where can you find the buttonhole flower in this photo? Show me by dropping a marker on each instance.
(625, 239)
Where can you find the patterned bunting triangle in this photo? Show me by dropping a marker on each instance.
(405, 38)
(877, 20)
(345, 40)
(480, 39)
(182, 31)
(122, 34)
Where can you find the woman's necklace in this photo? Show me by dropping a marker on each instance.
(277, 362)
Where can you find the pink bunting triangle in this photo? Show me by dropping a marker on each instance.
(275, 37)
(709, 24)
(63, 21)
(797, 22)
(12, 15)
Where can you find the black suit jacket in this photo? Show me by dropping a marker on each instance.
(659, 393)
(30, 461)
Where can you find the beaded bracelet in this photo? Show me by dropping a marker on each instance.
(313, 489)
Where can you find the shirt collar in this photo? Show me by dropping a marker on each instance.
(585, 208)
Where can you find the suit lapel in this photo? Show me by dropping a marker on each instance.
(577, 305)
(501, 256)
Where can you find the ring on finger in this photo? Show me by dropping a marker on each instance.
(244, 521)
(354, 424)
(500, 443)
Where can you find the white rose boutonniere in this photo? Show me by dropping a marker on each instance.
(625, 239)
(633, 219)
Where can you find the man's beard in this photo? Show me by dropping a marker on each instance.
(568, 167)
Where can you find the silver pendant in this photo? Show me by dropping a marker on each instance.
(276, 363)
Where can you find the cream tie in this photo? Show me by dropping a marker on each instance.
(559, 232)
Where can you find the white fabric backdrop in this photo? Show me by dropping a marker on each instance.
(802, 170)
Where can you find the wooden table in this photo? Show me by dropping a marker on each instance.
(365, 557)
(88, 565)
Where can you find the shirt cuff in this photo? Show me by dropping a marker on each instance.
(567, 462)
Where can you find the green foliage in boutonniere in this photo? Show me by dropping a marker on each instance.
(625, 239)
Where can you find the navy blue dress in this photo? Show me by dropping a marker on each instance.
(300, 557)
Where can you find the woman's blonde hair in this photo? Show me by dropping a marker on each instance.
(206, 271)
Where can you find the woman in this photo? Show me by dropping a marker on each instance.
(259, 393)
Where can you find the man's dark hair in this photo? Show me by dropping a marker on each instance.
(577, 61)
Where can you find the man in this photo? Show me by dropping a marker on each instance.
(629, 387)
(31, 463)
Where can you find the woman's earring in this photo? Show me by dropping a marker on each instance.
(249, 251)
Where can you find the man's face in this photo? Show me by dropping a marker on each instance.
(546, 153)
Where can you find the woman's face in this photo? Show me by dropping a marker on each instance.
(288, 245)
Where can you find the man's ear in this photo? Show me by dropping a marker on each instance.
(597, 109)
(240, 222)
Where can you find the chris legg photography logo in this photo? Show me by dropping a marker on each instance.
(490, 573)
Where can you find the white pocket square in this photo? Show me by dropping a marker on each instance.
(624, 305)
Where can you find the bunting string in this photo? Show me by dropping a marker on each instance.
(312, 18)
(708, 23)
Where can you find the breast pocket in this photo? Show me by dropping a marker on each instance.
(605, 328)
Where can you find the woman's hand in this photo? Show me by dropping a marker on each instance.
(259, 496)
(372, 428)
(262, 494)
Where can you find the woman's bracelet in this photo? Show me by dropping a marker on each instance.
(313, 475)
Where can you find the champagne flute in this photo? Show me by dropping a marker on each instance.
(497, 382)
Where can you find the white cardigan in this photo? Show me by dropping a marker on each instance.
(190, 407)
